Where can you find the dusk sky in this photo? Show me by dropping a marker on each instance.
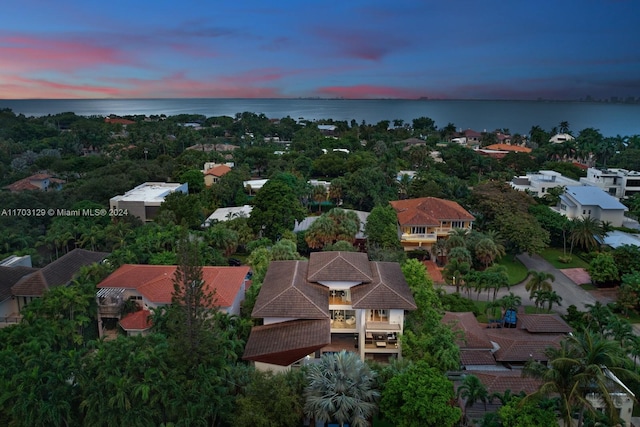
(459, 49)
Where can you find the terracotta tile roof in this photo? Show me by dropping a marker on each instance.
(218, 170)
(59, 272)
(339, 266)
(285, 292)
(429, 211)
(286, 342)
(155, 282)
(28, 182)
(519, 346)
(9, 276)
(118, 120)
(138, 321)
(477, 357)
(501, 381)
(475, 336)
(544, 323)
(507, 147)
(388, 289)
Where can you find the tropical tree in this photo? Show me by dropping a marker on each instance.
(419, 396)
(472, 390)
(539, 280)
(341, 390)
(578, 367)
(584, 233)
(602, 268)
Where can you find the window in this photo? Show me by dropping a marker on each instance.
(418, 230)
(563, 207)
(457, 224)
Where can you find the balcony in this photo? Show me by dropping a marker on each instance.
(424, 237)
(381, 341)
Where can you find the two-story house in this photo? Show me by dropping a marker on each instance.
(586, 201)
(151, 286)
(334, 301)
(426, 220)
(619, 183)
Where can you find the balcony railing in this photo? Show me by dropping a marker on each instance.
(418, 236)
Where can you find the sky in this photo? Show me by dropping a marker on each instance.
(438, 49)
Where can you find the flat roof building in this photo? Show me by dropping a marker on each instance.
(144, 200)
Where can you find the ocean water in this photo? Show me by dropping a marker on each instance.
(517, 116)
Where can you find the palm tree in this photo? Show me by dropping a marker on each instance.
(472, 390)
(539, 280)
(340, 389)
(319, 195)
(553, 298)
(585, 232)
(578, 368)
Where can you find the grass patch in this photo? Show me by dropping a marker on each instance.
(552, 256)
(515, 269)
(588, 287)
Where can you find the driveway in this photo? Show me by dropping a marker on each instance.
(562, 285)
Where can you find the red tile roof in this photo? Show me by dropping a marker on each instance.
(28, 182)
(507, 147)
(155, 282)
(138, 321)
(218, 170)
(118, 120)
(474, 334)
(429, 211)
(501, 381)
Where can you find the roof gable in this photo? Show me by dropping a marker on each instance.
(9, 276)
(59, 272)
(388, 289)
(339, 266)
(285, 292)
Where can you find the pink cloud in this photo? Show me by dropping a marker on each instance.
(28, 53)
(370, 91)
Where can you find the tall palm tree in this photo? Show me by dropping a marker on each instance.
(553, 298)
(539, 280)
(341, 389)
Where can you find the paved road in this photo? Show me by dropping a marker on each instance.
(562, 285)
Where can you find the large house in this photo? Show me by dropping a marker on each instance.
(426, 220)
(151, 286)
(586, 201)
(334, 301)
(144, 200)
(539, 183)
(619, 183)
(40, 181)
(20, 284)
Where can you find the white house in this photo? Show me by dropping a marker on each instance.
(559, 138)
(335, 301)
(539, 183)
(619, 183)
(586, 201)
(144, 200)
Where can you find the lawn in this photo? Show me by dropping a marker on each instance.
(552, 255)
(515, 269)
